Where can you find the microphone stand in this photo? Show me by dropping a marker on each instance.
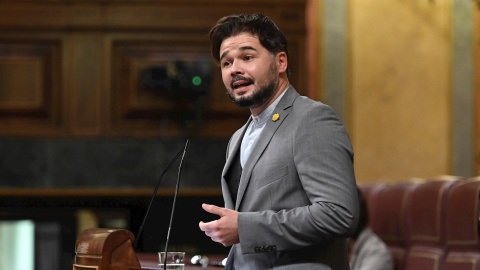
(173, 206)
(184, 149)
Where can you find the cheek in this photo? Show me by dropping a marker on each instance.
(226, 79)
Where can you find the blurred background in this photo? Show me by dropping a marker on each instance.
(96, 98)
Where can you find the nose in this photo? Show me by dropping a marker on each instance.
(236, 68)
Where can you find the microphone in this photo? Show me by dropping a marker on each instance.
(204, 261)
(173, 206)
(184, 149)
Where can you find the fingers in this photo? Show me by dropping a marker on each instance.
(216, 234)
(209, 227)
(223, 230)
(210, 230)
(213, 209)
(206, 226)
(212, 225)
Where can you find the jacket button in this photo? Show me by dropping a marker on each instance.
(272, 248)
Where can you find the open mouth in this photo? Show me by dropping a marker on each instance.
(240, 82)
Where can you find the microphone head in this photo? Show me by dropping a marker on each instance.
(200, 260)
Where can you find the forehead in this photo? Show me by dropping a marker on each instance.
(243, 40)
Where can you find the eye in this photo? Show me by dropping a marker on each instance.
(225, 63)
(248, 57)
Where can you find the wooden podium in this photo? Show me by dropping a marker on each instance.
(105, 249)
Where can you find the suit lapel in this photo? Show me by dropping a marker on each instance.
(233, 149)
(282, 109)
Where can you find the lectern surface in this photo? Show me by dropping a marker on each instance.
(150, 261)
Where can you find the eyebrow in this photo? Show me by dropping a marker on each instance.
(245, 48)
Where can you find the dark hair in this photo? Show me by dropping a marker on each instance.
(364, 215)
(269, 35)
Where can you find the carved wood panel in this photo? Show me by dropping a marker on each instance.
(125, 68)
(30, 86)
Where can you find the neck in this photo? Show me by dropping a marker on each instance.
(282, 86)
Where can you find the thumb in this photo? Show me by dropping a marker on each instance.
(213, 209)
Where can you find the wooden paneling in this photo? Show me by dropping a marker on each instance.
(151, 91)
(83, 69)
(86, 83)
(30, 92)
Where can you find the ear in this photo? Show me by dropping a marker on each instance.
(282, 62)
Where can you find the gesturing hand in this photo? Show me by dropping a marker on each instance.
(223, 230)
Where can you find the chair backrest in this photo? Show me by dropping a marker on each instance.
(388, 218)
(370, 192)
(462, 225)
(424, 224)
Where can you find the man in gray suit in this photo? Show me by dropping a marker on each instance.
(288, 182)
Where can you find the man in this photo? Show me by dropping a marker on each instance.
(288, 182)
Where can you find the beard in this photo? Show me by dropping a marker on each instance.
(260, 95)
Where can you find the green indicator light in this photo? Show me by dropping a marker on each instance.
(197, 80)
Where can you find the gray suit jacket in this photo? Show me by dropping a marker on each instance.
(297, 196)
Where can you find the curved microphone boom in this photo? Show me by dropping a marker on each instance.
(184, 149)
(173, 206)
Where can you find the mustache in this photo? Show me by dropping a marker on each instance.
(240, 78)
